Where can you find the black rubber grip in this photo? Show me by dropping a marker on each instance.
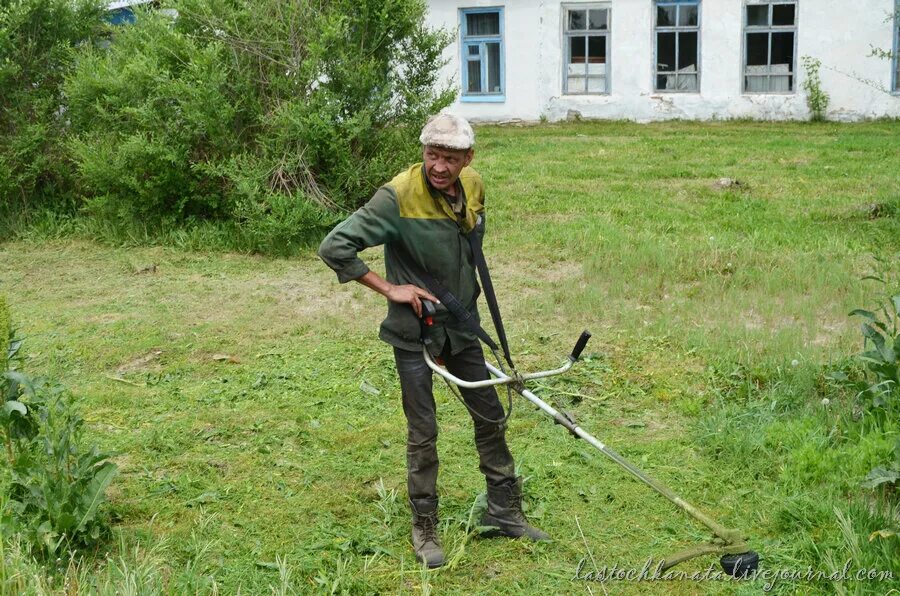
(579, 345)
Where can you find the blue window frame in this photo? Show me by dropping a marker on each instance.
(482, 59)
(677, 46)
(123, 16)
(896, 69)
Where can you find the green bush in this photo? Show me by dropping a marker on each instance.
(53, 489)
(36, 41)
(146, 115)
(271, 117)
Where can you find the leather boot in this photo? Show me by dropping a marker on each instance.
(504, 513)
(425, 539)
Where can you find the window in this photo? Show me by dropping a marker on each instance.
(770, 37)
(677, 45)
(482, 54)
(586, 38)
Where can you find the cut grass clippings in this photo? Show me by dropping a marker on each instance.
(258, 420)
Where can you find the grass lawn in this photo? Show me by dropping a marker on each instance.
(257, 420)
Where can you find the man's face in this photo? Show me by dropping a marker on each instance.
(442, 166)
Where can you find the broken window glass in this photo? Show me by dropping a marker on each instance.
(577, 53)
(769, 48)
(783, 48)
(665, 51)
(757, 49)
(687, 50)
(586, 50)
(677, 45)
(596, 49)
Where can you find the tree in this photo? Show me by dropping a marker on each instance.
(272, 114)
(36, 40)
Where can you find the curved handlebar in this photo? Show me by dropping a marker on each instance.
(579, 347)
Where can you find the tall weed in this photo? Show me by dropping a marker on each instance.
(53, 488)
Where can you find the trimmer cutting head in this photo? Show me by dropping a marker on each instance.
(737, 559)
(742, 565)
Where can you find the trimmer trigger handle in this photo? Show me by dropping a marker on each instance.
(428, 312)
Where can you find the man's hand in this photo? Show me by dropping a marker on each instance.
(405, 294)
(412, 295)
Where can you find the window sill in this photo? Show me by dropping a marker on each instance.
(782, 93)
(674, 92)
(482, 98)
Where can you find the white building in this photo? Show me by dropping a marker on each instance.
(663, 59)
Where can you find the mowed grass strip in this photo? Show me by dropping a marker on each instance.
(257, 417)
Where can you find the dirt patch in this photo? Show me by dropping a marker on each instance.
(150, 269)
(728, 184)
(105, 318)
(796, 161)
(645, 423)
(511, 267)
(829, 332)
(312, 299)
(143, 363)
(560, 271)
(752, 320)
(552, 218)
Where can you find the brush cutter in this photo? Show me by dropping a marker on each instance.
(737, 559)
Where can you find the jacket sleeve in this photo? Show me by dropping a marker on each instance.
(481, 221)
(373, 224)
(481, 224)
(476, 200)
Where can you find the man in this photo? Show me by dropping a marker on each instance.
(421, 217)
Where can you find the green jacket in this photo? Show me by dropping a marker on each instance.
(409, 214)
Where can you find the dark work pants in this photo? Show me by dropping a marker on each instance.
(496, 463)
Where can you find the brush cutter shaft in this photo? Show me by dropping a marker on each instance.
(717, 529)
(726, 541)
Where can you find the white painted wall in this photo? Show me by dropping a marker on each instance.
(838, 32)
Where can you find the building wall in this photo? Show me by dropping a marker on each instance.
(839, 33)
